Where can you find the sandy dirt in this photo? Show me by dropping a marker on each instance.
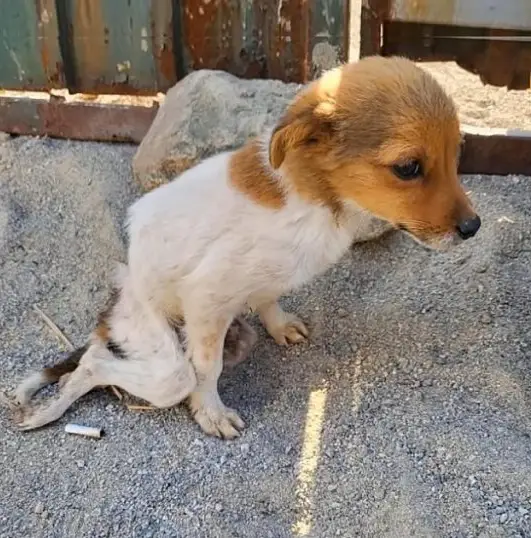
(406, 415)
(480, 105)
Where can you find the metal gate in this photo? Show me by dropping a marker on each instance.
(145, 46)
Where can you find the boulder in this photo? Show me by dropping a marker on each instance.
(203, 114)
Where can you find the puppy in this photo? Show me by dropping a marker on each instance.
(368, 146)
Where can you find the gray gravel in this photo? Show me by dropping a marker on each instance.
(424, 356)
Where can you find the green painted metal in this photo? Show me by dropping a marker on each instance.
(29, 49)
(121, 46)
(144, 46)
(329, 33)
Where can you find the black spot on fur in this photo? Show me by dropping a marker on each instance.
(116, 349)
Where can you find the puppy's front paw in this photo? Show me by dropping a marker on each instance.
(292, 331)
(215, 418)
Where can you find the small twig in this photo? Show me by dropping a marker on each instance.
(54, 328)
(117, 393)
(66, 342)
(140, 407)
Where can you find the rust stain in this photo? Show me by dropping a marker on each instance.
(200, 32)
(77, 121)
(213, 34)
(166, 64)
(422, 10)
(287, 40)
(90, 51)
(117, 88)
(373, 15)
(47, 31)
(162, 46)
(501, 63)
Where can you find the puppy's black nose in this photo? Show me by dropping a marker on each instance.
(468, 228)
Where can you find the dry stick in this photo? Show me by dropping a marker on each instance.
(117, 393)
(140, 407)
(66, 342)
(55, 329)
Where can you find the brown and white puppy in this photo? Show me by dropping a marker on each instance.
(369, 145)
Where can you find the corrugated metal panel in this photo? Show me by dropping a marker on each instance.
(29, 47)
(269, 38)
(142, 46)
(120, 46)
(329, 35)
(501, 14)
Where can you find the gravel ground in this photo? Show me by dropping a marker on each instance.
(418, 367)
(419, 359)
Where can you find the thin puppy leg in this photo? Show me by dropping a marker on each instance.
(40, 379)
(206, 340)
(79, 382)
(284, 327)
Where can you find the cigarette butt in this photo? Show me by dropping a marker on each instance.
(87, 431)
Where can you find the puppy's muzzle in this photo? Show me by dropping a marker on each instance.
(468, 228)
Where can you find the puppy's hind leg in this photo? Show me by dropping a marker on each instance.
(40, 379)
(78, 383)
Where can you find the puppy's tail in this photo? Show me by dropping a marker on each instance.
(51, 374)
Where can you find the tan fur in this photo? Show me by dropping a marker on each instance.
(339, 139)
(201, 252)
(250, 176)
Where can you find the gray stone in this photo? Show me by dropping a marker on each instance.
(203, 114)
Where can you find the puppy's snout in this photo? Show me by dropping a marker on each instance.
(468, 228)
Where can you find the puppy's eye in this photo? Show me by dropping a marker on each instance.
(408, 170)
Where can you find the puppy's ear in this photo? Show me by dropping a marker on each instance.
(307, 123)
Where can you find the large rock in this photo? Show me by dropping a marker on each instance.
(205, 113)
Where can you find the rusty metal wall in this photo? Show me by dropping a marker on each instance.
(29, 45)
(499, 14)
(145, 46)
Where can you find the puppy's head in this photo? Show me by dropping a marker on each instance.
(381, 134)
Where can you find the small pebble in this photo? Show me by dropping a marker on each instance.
(80, 464)
(485, 318)
(503, 518)
(218, 507)
(39, 508)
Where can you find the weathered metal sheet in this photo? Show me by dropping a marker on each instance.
(120, 46)
(374, 13)
(266, 39)
(500, 14)
(499, 57)
(486, 151)
(496, 151)
(329, 34)
(29, 47)
(75, 120)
